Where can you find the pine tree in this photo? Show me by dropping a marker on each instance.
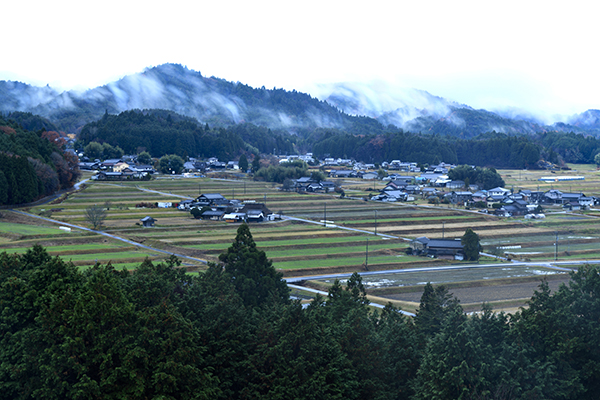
(243, 163)
(251, 272)
(471, 246)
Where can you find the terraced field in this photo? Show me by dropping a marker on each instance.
(296, 248)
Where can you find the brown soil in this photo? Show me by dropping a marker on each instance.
(522, 290)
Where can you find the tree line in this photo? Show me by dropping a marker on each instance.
(234, 333)
(161, 132)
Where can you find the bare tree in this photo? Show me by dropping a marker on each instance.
(95, 215)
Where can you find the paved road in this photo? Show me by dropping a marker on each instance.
(308, 221)
(325, 294)
(560, 265)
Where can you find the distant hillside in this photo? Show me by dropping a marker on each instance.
(17, 96)
(419, 111)
(354, 108)
(161, 132)
(176, 88)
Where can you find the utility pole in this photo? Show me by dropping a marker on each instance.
(367, 256)
(443, 228)
(556, 247)
(375, 222)
(325, 214)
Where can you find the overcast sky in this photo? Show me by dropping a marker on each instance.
(537, 55)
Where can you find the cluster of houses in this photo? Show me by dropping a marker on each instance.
(214, 206)
(307, 184)
(117, 170)
(212, 164)
(508, 203)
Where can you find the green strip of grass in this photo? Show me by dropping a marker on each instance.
(358, 261)
(74, 247)
(113, 256)
(23, 229)
(325, 251)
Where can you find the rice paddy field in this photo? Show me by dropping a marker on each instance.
(359, 236)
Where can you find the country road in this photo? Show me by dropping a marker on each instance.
(131, 242)
(562, 265)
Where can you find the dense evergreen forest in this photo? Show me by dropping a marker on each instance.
(33, 164)
(161, 132)
(233, 333)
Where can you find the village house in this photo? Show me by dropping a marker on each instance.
(498, 192)
(552, 196)
(480, 196)
(461, 197)
(214, 215)
(344, 173)
(121, 167)
(400, 178)
(256, 212)
(211, 199)
(391, 196)
(440, 248)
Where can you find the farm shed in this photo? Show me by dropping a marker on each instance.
(148, 222)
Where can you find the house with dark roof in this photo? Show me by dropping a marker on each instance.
(461, 197)
(255, 216)
(210, 199)
(393, 186)
(531, 196)
(214, 215)
(343, 174)
(440, 248)
(256, 212)
(553, 196)
(148, 222)
(516, 207)
(401, 178)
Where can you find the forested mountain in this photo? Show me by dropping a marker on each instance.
(161, 132)
(494, 149)
(358, 109)
(234, 333)
(176, 88)
(18, 96)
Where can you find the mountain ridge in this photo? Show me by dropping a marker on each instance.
(219, 102)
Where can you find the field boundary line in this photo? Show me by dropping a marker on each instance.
(131, 242)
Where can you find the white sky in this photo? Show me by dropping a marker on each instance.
(537, 55)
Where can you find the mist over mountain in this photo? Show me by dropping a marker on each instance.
(356, 108)
(18, 96)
